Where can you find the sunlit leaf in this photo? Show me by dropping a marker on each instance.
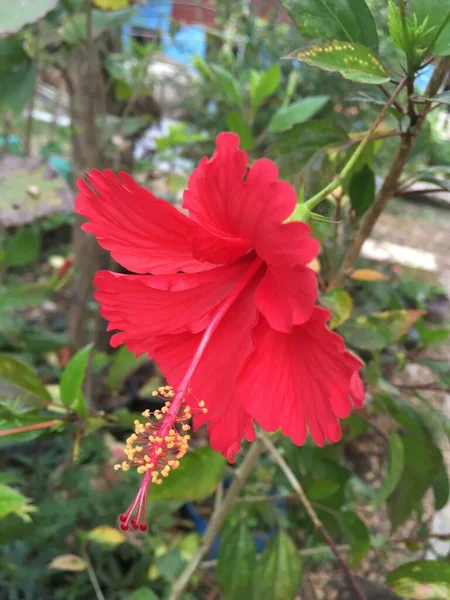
(344, 20)
(421, 580)
(352, 61)
(13, 502)
(235, 562)
(13, 16)
(107, 536)
(368, 275)
(68, 562)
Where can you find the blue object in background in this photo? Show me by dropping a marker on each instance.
(155, 16)
(423, 79)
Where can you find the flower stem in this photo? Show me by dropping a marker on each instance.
(315, 200)
(25, 428)
(217, 519)
(296, 486)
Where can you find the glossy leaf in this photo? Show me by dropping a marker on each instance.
(368, 275)
(357, 535)
(195, 479)
(295, 148)
(13, 502)
(423, 458)
(13, 16)
(278, 573)
(340, 304)
(72, 379)
(362, 190)
(298, 112)
(421, 580)
(20, 376)
(236, 562)
(343, 20)
(122, 366)
(74, 29)
(352, 61)
(107, 536)
(394, 469)
(68, 562)
(236, 123)
(263, 85)
(22, 247)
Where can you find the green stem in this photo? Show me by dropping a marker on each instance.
(315, 200)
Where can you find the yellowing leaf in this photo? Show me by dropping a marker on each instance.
(368, 275)
(340, 304)
(68, 562)
(108, 536)
(112, 4)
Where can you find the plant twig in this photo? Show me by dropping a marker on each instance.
(93, 577)
(296, 486)
(26, 428)
(217, 519)
(390, 183)
(396, 105)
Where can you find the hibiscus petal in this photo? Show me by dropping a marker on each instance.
(287, 297)
(143, 233)
(248, 210)
(215, 376)
(144, 306)
(300, 380)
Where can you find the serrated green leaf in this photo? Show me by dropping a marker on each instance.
(298, 112)
(294, 149)
(22, 377)
(22, 12)
(72, 380)
(424, 459)
(278, 573)
(352, 61)
(421, 580)
(236, 123)
(345, 20)
(195, 479)
(22, 247)
(340, 304)
(263, 85)
(362, 190)
(235, 563)
(395, 466)
(13, 502)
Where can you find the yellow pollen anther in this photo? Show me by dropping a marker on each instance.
(154, 394)
(159, 451)
(117, 467)
(201, 403)
(186, 427)
(146, 413)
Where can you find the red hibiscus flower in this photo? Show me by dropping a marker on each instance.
(228, 312)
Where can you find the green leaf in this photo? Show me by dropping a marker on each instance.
(263, 85)
(170, 564)
(443, 98)
(357, 535)
(195, 479)
(433, 13)
(13, 502)
(235, 563)
(352, 61)
(395, 466)
(319, 490)
(143, 593)
(431, 335)
(17, 86)
(343, 20)
(123, 365)
(132, 125)
(22, 12)
(298, 112)
(423, 458)
(397, 26)
(340, 304)
(72, 380)
(107, 536)
(23, 247)
(362, 190)
(421, 580)
(22, 377)
(441, 489)
(228, 85)
(278, 573)
(295, 148)
(236, 123)
(74, 29)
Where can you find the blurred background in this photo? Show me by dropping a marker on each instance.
(145, 87)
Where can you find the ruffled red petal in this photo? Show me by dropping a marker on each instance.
(286, 297)
(144, 306)
(300, 381)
